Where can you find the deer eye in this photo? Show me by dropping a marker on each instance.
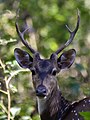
(54, 71)
(33, 71)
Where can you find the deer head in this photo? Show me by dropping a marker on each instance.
(44, 70)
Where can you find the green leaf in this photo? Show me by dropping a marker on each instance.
(86, 115)
(15, 111)
(13, 88)
(79, 67)
(26, 118)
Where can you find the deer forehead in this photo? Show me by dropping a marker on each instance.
(44, 65)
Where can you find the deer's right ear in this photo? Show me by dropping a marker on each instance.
(23, 58)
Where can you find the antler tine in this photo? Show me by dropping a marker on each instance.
(21, 35)
(72, 34)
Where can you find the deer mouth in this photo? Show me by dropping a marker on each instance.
(41, 95)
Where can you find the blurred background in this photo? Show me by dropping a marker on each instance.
(47, 20)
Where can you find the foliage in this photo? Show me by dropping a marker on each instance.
(86, 115)
(47, 20)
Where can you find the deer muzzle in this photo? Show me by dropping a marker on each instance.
(41, 91)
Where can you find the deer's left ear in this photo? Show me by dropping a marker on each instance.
(66, 59)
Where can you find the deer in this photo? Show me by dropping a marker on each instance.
(51, 104)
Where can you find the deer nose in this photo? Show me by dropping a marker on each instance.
(41, 91)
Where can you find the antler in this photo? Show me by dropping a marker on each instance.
(72, 34)
(21, 35)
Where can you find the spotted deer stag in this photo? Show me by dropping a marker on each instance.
(51, 104)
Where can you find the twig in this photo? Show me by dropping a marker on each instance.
(7, 81)
(4, 108)
(2, 65)
(3, 91)
(9, 99)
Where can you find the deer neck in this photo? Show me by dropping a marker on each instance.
(52, 108)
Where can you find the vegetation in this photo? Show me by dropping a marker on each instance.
(47, 20)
